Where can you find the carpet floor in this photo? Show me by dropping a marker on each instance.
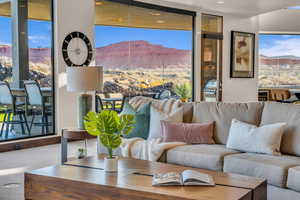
(13, 165)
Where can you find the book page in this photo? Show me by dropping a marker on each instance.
(170, 178)
(191, 177)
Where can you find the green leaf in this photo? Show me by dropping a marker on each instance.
(109, 126)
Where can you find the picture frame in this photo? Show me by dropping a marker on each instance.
(242, 54)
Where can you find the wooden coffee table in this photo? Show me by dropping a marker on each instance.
(85, 179)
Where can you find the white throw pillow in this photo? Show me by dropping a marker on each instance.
(250, 138)
(156, 116)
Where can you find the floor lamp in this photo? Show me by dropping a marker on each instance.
(84, 80)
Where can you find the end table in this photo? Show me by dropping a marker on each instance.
(72, 134)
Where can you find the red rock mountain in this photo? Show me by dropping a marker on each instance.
(130, 54)
(280, 60)
(141, 54)
(36, 55)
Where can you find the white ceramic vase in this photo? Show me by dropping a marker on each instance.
(111, 164)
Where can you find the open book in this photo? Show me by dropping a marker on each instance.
(187, 177)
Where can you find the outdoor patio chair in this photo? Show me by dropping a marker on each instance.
(11, 108)
(37, 105)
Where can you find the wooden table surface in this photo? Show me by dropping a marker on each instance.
(84, 179)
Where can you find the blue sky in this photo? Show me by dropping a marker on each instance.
(40, 33)
(279, 45)
(40, 36)
(106, 35)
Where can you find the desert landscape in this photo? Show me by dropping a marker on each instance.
(280, 71)
(128, 66)
(142, 66)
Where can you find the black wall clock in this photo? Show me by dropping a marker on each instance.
(77, 49)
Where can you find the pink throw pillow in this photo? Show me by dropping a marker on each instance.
(190, 133)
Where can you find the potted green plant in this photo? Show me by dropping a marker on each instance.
(109, 127)
(184, 91)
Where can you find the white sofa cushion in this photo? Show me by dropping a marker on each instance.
(223, 113)
(289, 113)
(293, 181)
(200, 156)
(272, 168)
(252, 139)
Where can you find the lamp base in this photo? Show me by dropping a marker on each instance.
(85, 104)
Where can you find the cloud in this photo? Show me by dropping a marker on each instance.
(37, 39)
(283, 48)
(4, 43)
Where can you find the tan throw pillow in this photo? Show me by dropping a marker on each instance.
(250, 138)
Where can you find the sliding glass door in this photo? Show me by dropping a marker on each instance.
(26, 55)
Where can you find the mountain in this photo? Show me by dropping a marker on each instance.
(36, 55)
(141, 54)
(123, 55)
(280, 60)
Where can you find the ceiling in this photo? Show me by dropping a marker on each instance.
(236, 7)
(116, 14)
(108, 13)
(37, 9)
(113, 14)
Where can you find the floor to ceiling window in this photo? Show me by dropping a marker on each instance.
(144, 50)
(279, 64)
(25, 57)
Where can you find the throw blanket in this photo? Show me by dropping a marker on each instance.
(151, 150)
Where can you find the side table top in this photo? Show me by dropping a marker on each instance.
(76, 134)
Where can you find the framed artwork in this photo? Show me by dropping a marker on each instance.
(242, 55)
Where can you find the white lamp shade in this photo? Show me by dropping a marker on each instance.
(84, 79)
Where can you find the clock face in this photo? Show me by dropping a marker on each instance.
(77, 49)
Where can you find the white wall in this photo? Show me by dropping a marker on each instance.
(237, 89)
(281, 21)
(69, 16)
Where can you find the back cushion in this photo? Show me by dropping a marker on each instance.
(223, 113)
(289, 113)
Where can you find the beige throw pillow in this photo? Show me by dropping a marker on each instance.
(250, 138)
(156, 116)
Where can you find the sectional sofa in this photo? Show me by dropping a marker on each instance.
(282, 172)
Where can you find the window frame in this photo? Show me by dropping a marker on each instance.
(270, 33)
(170, 10)
(52, 131)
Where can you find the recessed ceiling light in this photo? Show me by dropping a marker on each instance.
(154, 14)
(98, 3)
(120, 19)
(160, 21)
(220, 2)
